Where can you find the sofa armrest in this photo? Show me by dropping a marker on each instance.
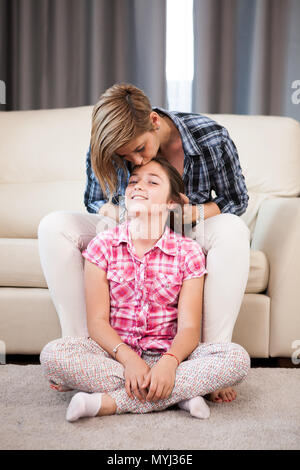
(277, 234)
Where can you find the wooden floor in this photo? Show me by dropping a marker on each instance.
(285, 362)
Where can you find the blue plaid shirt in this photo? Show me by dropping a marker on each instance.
(211, 162)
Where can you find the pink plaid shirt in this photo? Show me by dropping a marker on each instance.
(144, 292)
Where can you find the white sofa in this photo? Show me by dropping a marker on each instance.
(42, 169)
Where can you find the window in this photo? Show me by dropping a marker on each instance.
(179, 54)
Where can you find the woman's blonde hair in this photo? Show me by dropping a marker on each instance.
(121, 114)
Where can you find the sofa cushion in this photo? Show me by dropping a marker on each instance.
(268, 149)
(26, 204)
(258, 273)
(21, 267)
(20, 263)
(28, 321)
(42, 166)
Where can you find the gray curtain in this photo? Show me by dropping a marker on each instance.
(247, 55)
(65, 53)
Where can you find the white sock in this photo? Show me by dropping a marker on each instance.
(196, 406)
(83, 404)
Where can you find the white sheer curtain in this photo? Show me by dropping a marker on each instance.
(179, 54)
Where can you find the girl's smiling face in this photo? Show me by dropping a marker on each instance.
(148, 185)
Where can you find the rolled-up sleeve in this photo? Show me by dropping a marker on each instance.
(97, 252)
(194, 263)
(93, 195)
(228, 180)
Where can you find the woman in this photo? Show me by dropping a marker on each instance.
(126, 130)
(144, 290)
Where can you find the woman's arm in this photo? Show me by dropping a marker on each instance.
(110, 210)
(228, 181)
(93, 195)
(191, 211)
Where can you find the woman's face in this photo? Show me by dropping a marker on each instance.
(140, 150)
(148, 186)
(143, 148)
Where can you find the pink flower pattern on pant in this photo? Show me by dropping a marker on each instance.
(79, 363)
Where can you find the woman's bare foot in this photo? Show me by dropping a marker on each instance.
(219, 396)
(60, 388)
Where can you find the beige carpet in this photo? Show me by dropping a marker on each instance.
(265, 415)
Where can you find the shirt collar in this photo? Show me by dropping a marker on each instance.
(166, 243)
(189, 145)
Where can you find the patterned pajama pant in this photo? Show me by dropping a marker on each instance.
(79, 363)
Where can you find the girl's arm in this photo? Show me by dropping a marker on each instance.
(98, 309)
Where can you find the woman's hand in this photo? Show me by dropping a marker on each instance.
(184, 198)
(187, 210)
(109, 210)
(135, 372)
(161, 379)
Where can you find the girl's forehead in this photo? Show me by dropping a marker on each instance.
(151, 168)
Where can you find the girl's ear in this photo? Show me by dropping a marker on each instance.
(173, 205)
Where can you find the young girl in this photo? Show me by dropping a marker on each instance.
(144, 292)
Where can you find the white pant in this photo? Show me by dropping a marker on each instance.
(62, 236)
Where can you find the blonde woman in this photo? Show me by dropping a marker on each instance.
(127, 131)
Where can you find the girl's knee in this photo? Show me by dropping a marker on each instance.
(240, 358)
(58, 349)
(49, 351)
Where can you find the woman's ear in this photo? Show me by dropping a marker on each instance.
(155, 120)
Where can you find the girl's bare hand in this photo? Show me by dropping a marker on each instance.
(160, 379)
(135, 372)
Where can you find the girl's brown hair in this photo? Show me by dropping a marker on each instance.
(121, 114)
(176, 186)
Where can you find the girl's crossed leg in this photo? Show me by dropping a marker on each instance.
(79, 363)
